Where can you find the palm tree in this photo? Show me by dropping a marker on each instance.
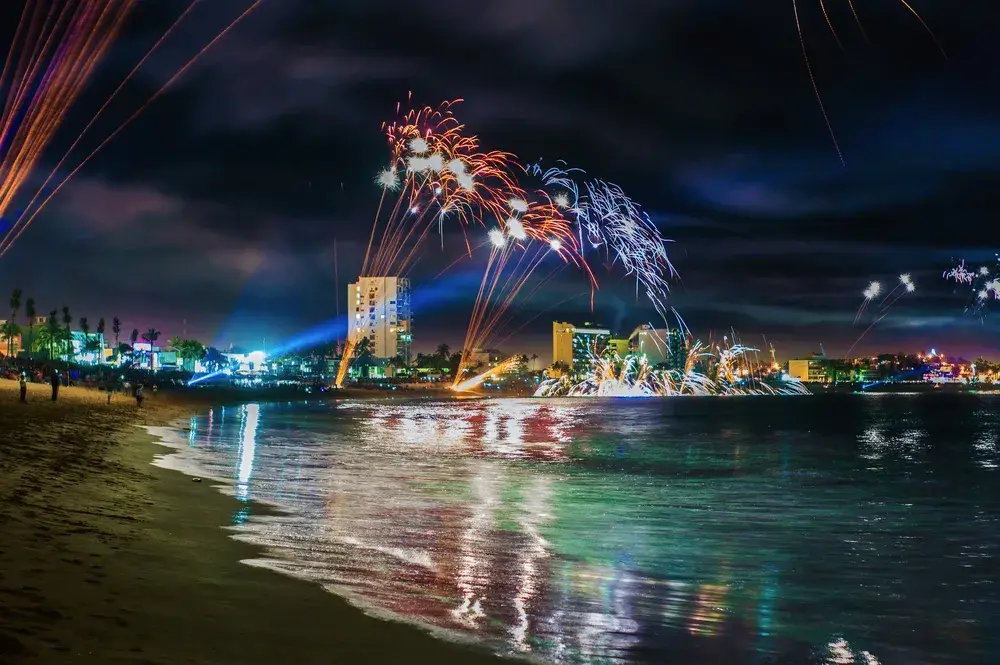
(534, 361)
(363, 356)
(53, 332)
(100, 339)
(15, 304)
(85, 327)
(443, 351)
(15, 307)
(116, 328)
(29, 311)
(151, 336)
(67, 320)
(8, 331)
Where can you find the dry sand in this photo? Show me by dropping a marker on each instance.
(107, 559)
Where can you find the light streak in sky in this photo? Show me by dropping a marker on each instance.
(436, 172)
(610, 222)
(829, 23)
(904, 287)
(81, 45)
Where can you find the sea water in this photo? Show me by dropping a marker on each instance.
(840, 529)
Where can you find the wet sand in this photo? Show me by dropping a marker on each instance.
(107, 559)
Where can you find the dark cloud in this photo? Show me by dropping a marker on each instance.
(221, 202)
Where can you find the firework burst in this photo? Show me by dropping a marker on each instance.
(982, 282)
(905, 285)
(608, 221)
(535, 228)
(726, 369)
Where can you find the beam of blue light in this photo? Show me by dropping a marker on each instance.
(433, 294)
(902, 376)
(204, 377)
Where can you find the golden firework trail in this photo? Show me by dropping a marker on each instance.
(35, 104)
(532, 232)
(829, 23)
(436, 173)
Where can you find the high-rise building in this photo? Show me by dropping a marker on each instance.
(379, 309)
(677, 350)
(578, 346)
(649, 342)
(660, 346)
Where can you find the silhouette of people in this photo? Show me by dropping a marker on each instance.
(55, 384)
(23, 383)
(138, 396)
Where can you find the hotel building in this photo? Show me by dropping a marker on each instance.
(578, 346)
(660, 346)
(379, 309)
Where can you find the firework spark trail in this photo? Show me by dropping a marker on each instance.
(960, 274)
(905, 283)
(27, 218)
(608, 219)
(836, 37)
(632, 376)
(107, 102)
(870, 293)
(435, 172)
(503, 367)
(56, 57)
(533, 230)
(983, 283)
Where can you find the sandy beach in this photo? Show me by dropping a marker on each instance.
(105, 558)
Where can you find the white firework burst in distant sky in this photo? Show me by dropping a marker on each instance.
(555, 245)
(436, 162)
(388, 179)
(518, 205)
(497, 238)
(466, 182)
(874, 288)
(984, 271)
(561, 200)
(516, 229)
(456, 166)
(419, 145)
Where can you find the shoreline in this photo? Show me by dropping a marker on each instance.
(107, 558)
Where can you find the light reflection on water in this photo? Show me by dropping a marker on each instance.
(583, 531)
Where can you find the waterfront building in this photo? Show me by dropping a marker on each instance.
(577, 346)
(619, 346)
(379, 309)
(808, 370)
(649, 342)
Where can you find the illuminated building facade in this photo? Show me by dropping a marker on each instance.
(619, 346)
(650, 343)
(576, 347)
(379, 309)
(807, 370)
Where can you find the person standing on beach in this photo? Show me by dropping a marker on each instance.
(55, 384)
(23, 383)
(138, 396)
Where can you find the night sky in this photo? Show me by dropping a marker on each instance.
(221, 203)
